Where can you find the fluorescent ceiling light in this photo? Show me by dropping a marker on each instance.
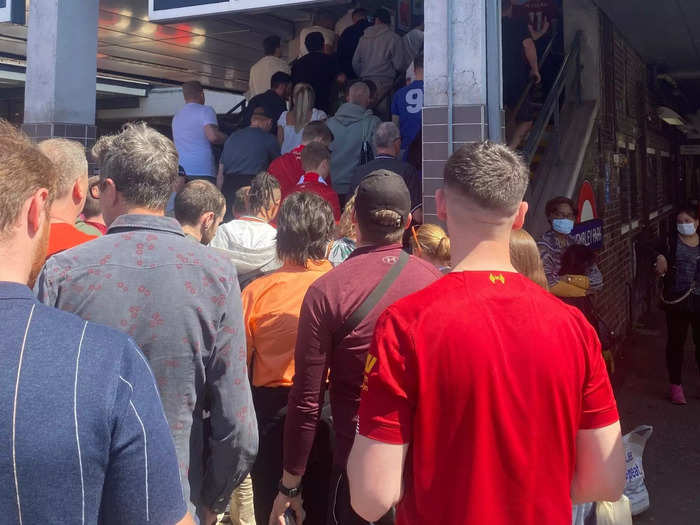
(669, 116)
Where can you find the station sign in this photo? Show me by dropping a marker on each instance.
(589, 228)
(13, 11)
(166, 10)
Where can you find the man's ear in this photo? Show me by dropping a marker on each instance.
(208, 219)
(78, 194)
(520, 216)
(441, 201)
(36, 213)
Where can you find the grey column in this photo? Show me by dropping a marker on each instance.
(61, 70)
(474, 57)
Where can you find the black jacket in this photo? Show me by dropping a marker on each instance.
(319, 70)
(347, 44)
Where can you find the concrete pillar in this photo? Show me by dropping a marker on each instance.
(61, 69)
(473, 57)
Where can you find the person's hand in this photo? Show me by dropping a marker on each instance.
(545, 26)
(281, 504)
(209, 517)
(536, 76)
(661, 265)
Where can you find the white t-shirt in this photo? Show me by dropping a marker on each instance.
(292, 137)
(192, 145)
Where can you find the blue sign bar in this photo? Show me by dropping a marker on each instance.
(167, 10)
(589, 233)
(13, 11)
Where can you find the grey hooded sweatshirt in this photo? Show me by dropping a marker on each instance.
(251, 245)
(350, 126)
(379, 55)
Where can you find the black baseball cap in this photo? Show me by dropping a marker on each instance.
(383, 190)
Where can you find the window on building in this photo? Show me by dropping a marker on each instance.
(652, 188)
(625, 188)
(635, 196)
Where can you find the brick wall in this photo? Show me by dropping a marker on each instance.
(631, 163)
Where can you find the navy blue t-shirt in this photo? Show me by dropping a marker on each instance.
(84, 438)
(408, 105)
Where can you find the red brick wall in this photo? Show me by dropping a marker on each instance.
(633, 192)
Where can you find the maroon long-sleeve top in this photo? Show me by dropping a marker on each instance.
(320, 347)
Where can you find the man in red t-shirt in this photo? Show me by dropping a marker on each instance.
(486, 399)
(316, 161)
(287, 169)
(68, 156)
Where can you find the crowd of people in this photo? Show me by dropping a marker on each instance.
(288, 361)
(276, 339)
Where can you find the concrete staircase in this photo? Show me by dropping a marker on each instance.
(557, 171)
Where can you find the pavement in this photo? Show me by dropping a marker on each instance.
(672, 455)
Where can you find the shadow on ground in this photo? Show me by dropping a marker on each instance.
(672, 456)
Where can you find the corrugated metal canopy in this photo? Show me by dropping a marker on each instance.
(218, 51)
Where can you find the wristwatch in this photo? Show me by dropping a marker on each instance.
(290, 493)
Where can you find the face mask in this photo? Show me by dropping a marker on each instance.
(686, 228)
(563, 226)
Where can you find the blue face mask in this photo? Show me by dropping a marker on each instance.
(686, 228)
(563, 226)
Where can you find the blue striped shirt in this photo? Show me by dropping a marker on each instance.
(83, 436)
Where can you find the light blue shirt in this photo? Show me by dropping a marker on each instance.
(191, 141)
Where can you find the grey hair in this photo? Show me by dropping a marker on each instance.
(492, 175)
(385, 135)
(359, 94)
(142, 163)
(68, 156)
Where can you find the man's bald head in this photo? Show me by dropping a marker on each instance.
(359, 94)
(68, 156)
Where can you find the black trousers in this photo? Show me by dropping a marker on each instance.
(339, 509)
(678, 322)
(232, 183)
(271, 407)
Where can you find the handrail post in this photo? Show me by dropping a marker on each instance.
(557, 134)
(578, 76)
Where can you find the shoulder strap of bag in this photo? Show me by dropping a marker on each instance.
(374, 297)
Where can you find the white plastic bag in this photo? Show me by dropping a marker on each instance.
(614, 512)
(635, 488)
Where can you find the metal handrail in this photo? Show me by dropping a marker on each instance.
(242, 104)
(531, 82)
(572, 63)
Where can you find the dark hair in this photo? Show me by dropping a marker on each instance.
(577, 260)
(383, 15)
(316, 129)
(360, 11)
(271, 44)
(314, 41)
(418, 61)
(305, 225)
(688, 210)
(240, 203)
(280, 78)
(262, 192)
(191, 89)
(92, 205)
(554, 203)
(313, 155)
(490, 174)
(197, 198)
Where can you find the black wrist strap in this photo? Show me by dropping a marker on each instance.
(290, 493)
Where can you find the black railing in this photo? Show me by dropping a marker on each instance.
(242, 104)
(570, 68)
(531, 83)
